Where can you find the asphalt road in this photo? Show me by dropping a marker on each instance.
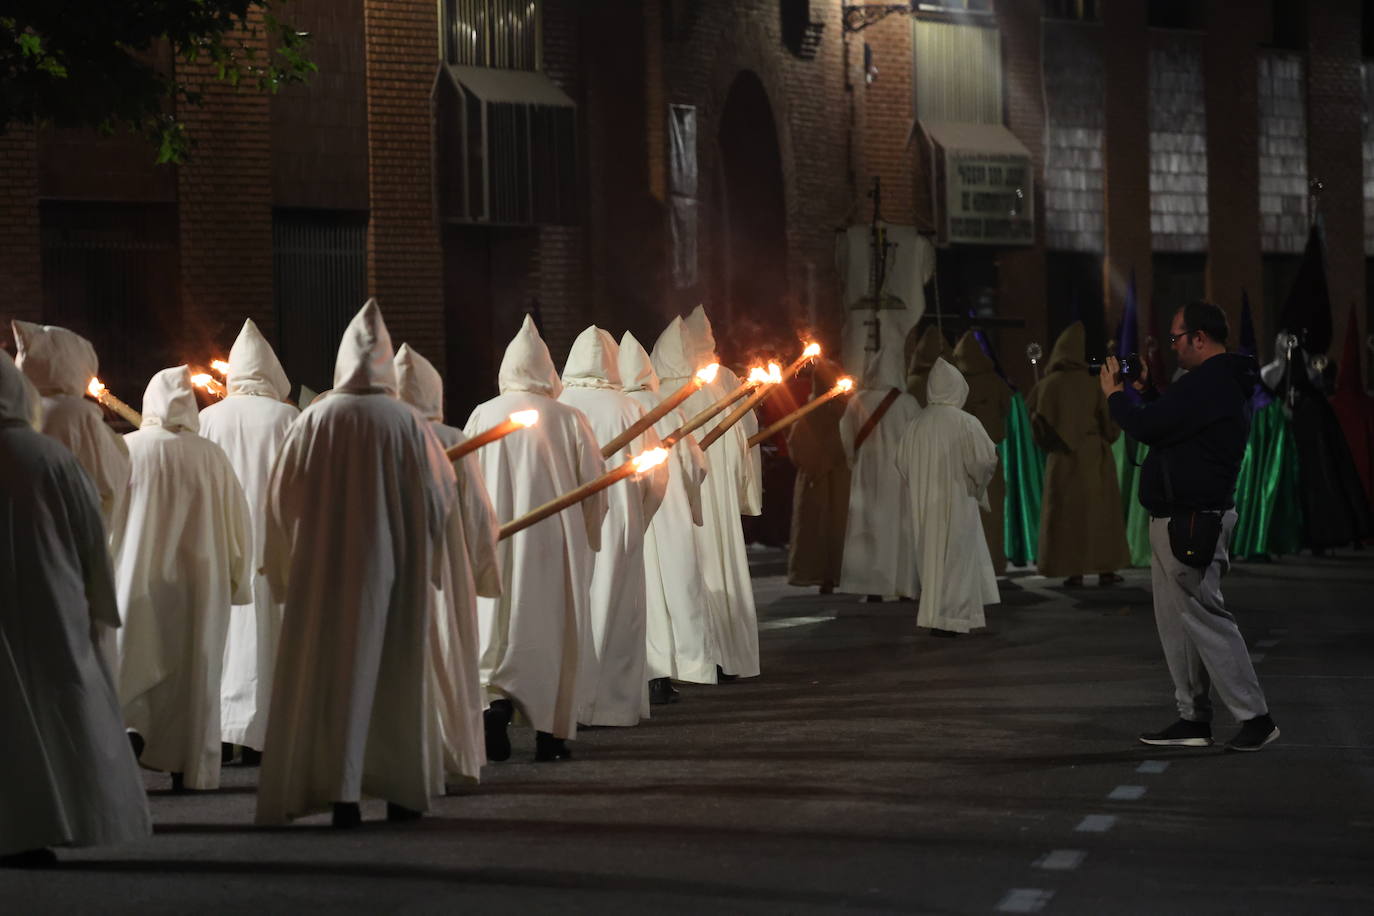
(872, 769)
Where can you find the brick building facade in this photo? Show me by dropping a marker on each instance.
(718, 146)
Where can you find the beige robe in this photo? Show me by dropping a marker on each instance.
(820, 501)
(989, 399)
(1081, 526)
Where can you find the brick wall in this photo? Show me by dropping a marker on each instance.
(887, 112)
(225, 214)
(405, 267)
(1126, 57)
(1334, 149)
(21, 267)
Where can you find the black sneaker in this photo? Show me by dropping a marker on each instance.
(1182, 733)
(661, 692)
(1254, 734)
(495, 720)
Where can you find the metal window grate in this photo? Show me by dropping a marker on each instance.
(492, 33)
(319, 281)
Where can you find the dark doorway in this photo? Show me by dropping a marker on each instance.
(1073, 292)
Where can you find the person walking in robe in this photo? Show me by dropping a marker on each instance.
(535, 636)
(358, 505)
(67, 776)
(615, 690)
(930, 346)
(471, 570)
(879, 557)
(989, 399)
(677, 620)
(250, 424)
(815, 551)
(732, 488)
(183, 554)
(948, 460)
(1081, 526)
(60, 364)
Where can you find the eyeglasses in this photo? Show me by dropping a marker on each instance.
(1174, 338)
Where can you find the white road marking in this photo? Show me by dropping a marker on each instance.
(1096, 823)
(786, 623)
(1127, 793)
(1152, 766)
(1024, 900)
(1061, 859)
(1266, 643)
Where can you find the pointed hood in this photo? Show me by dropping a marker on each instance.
(419, 383)
(969, 356)
(364, 364)
(674, 356)
(1349, 377)
(884, 369)
(929, 348)
(527, 365)
(946, 386)
(254, 367)
(701, 337)
(56, 360)
(169, 401)
(1070, 350)
(593, 361)
(19, 399)
(636, 370)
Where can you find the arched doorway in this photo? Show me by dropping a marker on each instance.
(752, 235)
(751, 282)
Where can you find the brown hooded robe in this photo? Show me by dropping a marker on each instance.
(989, 399)
(820, 506)
(1081, 525)
(931, 346)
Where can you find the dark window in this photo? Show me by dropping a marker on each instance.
(1367, 28)
(111, 274)
(1073, 292)
(1176, 14)
(1280, 270)
(1076, 10)
(319, 281)
(1287, 26)
(1178, 279)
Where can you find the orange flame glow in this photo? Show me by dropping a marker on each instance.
(812, 349)
(757, 376)
(845, 384)
(774, 373)
(708, 375)
(220, 366)
(203, 380)
(650, 459)
(525, 418)
(96, 388)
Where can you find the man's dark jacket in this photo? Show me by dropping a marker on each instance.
(1197, 429)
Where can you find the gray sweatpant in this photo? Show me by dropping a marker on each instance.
(1202, 643)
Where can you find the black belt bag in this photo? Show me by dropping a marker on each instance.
(1193, 533)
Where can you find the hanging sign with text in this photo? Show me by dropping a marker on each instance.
(988, 198)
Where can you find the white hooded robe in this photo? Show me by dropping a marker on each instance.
(733, 487)
(677, 618)
(183, 552)
(879, 552)
(357, 509)
(250, 424)
(69, 775)
(471, 570)
(616, 690)
(948, 460)
(535, 635)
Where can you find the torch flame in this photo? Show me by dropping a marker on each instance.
(757, 376)
(96, 388)
(774, 373)
(845, 384)
(812, 349)
(220, 366)
(708, 375)
(525, 418)
(650, 459)
(201, 380)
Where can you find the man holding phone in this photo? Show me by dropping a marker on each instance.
(1197, 432)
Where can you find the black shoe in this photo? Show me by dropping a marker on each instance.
(547, 748)
(874, 599)
(1073, 582)
(495, 720)
(827, 589)
(1182, 733)
(347, 815)
(399, 813)
(226, 753)
(250, 758)
(944, 634)
(660, 691)
(29, 858)
(136, 742)
(722, 677)
(1254, 734)
(178, 783)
